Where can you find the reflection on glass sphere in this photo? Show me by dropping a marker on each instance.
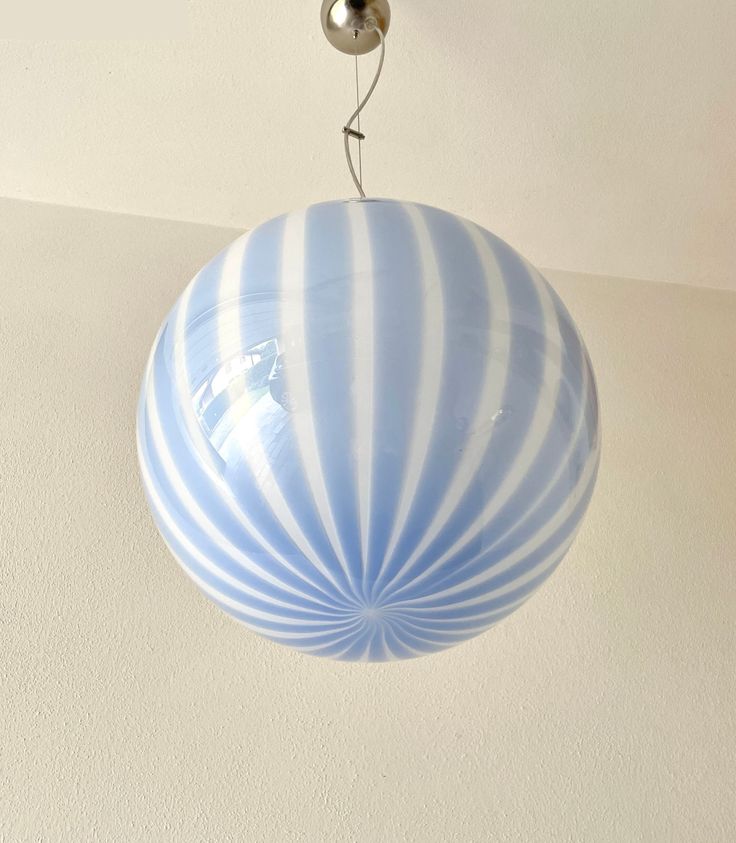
(368, 430)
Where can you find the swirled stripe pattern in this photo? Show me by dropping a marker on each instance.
(368, 430)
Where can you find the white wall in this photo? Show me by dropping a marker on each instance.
(596, 136)
(133, 710)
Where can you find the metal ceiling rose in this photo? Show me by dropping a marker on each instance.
(349, 24)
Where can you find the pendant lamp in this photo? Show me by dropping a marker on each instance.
(368, 429)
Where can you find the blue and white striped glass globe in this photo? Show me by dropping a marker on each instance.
(368, 430)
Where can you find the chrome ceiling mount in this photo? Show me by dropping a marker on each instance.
(350, 25)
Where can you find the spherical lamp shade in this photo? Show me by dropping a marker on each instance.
(368, 430)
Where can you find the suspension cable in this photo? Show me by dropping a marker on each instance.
(348, 131)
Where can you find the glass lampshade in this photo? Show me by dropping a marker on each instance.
(368, 430)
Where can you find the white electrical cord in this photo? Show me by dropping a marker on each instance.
(348, 131)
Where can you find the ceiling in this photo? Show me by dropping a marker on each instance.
(593, 136)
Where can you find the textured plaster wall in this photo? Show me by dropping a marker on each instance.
(133, 710)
